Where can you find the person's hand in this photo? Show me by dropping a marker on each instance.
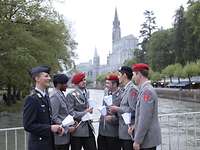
(57, 129)
(113, 109)
(90, 110)
(108, 118)
(136, 146)
(130, 129)
(71, 129)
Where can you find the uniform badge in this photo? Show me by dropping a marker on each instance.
(75, 94)
(39, 95)
(147, 96)
(133, 93)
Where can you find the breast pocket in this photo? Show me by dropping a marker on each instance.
(42, 108)
(64, 109)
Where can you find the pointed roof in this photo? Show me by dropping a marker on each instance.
(95, 52)
(116, 15)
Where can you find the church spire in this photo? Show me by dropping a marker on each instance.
(95, 52)
(116, 16)
(96, 58)
(116, 34)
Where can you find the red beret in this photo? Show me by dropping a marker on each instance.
(112, 77)
(140, 66)
(77, 78)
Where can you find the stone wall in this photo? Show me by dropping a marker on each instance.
(179, 94)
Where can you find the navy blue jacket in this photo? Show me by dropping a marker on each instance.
(37, 121)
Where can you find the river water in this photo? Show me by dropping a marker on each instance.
(166, 106)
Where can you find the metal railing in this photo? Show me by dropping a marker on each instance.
(180, 131)
(13, 139)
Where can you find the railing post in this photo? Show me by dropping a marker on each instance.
(195, 131)
(25, 143)
(6, 140)
(161, 132)
(186, 123)
(15, 139)
(178, 132)
(169, 132)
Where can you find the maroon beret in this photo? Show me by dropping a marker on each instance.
(140, 66)
(112, 77)
(78, 77)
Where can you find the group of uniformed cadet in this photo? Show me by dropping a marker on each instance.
(43, 114)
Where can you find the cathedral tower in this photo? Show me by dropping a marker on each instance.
(116, 33)
(96, 59)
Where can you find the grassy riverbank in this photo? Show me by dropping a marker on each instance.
(17, 107)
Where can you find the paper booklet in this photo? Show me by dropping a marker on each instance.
(127, 118)
(69, 120)
(108, 100)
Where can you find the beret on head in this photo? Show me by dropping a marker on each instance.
(112, 77)
(125, 69)
(78, 77)
(39, 69)
(140, 66)
(60, 78)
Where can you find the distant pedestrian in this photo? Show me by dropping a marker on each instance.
(37, 113)
(147, 129)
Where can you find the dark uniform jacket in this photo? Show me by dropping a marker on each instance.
(37, 121)
(110, 129)
(78, 102)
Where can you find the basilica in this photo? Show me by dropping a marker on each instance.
(122, 49)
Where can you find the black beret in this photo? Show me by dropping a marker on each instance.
(126, 69)
(36, 70)
(60, 78)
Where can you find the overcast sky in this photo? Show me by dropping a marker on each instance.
(91, 21)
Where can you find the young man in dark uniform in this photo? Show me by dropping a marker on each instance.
(108, 127)
(37, 113)
(79, 106)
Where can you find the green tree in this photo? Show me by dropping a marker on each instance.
(191, 69)
(192, 35)
(178, 71)
(160, 49)
(130, 62)
(155, 76)
(148, 27)
(179, 35)
(31, 33)
(169, 72)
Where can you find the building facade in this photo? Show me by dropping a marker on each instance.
(122, 50)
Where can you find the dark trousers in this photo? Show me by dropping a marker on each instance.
(62, 147)
(108, 143)
(126, 144)
(88, 143)
(153, 148)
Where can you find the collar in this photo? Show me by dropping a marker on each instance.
(144, 84)
(116, 91)
(41, 92)
(82, 91)
(125, 87)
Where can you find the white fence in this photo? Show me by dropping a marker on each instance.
(180, 131)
